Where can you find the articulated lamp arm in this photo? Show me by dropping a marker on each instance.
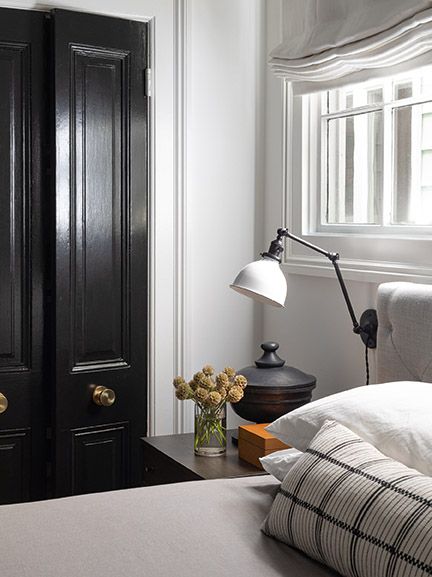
(367, 327)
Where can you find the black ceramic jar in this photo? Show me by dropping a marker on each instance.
(272, 389)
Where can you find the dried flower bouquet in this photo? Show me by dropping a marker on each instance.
(210, 394)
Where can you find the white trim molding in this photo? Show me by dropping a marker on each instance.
(358, 270)
(151, 255)
(180, 361)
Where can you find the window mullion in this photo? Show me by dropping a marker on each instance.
(361, 173)
(387, 192)
(341, 177)
(414, 213)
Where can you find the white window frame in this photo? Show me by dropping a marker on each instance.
(318, 190)
(366, 253)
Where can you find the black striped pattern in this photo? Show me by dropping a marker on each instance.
(347, 505)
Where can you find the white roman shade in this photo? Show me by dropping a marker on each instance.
(327, 43)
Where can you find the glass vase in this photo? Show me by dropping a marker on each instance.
(210, 431)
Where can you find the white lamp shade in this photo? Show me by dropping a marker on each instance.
(262, 280)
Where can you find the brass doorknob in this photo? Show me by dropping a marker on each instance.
(3, 403)
(103, 397)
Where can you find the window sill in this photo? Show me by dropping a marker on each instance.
(358, 270)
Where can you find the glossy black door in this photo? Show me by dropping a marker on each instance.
(101, 252)
(23, 205)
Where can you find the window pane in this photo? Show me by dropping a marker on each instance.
(418, 84)
(340, 99)
(352, 97)
(403, 90)
(412, 193)
(426, 82)
(427, 130)
(355, 169)
(375, 96)
(426, 181)
(402, 165)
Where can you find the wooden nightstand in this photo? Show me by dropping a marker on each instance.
(171, 459)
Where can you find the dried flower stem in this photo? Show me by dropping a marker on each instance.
(208, 424)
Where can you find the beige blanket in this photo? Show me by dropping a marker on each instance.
(200, 528)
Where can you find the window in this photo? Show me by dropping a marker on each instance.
(374, 141)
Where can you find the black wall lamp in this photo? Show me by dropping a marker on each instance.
(264, 281)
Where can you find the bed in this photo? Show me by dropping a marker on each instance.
(206, 528)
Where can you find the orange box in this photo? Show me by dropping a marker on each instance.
(255, 442)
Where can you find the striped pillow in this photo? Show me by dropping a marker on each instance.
(347, 505)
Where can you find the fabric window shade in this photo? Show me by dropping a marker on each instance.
(328, 43)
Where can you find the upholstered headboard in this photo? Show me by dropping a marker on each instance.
(404, 347)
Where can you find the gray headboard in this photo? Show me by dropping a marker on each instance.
(404, 348)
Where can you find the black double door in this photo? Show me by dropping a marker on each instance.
(73, 253)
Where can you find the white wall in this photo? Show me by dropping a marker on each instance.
(226, 53)
(206, 205)
(314, 330)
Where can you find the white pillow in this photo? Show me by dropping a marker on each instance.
(394, 417)
(280, 462)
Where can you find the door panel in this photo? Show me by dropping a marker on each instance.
(22, 272)
(14, 325)
(15, 455)
(98, 458)
(101, 265)
(100, 256)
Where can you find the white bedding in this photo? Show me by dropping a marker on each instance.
(394, 417)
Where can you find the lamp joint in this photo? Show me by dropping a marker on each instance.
(276, 247)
